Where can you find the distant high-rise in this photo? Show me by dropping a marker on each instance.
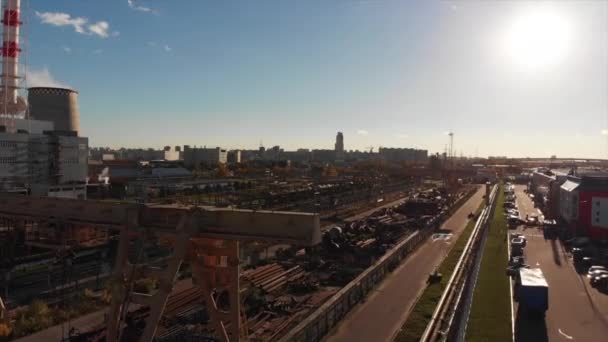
(339, 143)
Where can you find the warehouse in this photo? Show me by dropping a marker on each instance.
(584, 204)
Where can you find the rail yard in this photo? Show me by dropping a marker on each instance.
(278, 291)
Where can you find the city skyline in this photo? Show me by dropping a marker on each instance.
(386, 73)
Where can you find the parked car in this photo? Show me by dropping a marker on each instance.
(587, 261)
(514, 220)
(532, 221)
(521, 241)
(596, 268)
(599, 280)
(512, 211)
(518, 236)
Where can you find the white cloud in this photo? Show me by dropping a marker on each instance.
(67, 49)
(100, 28)
(133, 4)
(42, 78)
(363, 132)
(62, 19)
(167, 48)
(604, 131)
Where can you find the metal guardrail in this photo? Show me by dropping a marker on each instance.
(471, 282)
(441, 325)
(328, 315)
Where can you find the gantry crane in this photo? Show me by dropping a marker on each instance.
(208, 237)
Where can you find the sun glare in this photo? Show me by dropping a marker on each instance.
(538, 38)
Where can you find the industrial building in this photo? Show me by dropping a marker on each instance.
(577, 198)
(41, 152)
(35, 158)
(545, 185)
(194, 156)
(173, 154)
(584, 204)
(234, 156)
(56, 105)
(403, 154)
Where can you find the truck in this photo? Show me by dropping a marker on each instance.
(532, 291)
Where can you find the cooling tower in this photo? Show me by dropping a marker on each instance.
(58, 105)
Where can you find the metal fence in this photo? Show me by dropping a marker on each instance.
(327, 316)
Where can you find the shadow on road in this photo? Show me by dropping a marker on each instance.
(551, 235)
(556, 257)
(530, 328)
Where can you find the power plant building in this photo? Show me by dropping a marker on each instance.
(57, 105)
(44, 155)
(40, 150)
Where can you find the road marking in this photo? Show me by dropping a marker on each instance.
(566, 336)
(444, 237)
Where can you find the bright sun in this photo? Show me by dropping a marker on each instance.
(538, 38)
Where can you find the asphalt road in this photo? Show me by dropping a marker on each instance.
(387, 306)
(577, 312)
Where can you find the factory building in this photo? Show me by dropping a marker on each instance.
(234, 156)
(545, 186)
(194, 156)
(584, 204)
(42, 161)
(403, 154)
(173, 154)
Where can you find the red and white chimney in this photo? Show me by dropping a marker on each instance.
(10, 102)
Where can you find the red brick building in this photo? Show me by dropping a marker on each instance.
(584, 204)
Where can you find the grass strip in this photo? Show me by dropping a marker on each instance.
(490, 318)
(421, 315)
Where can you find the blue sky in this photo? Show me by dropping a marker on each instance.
(387, 73)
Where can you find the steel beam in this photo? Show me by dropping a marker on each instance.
(222, 223)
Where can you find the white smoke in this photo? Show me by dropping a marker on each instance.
(42, 78)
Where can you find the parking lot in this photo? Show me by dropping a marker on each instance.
(577, 311)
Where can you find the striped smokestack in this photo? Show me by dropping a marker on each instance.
(10, 102)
